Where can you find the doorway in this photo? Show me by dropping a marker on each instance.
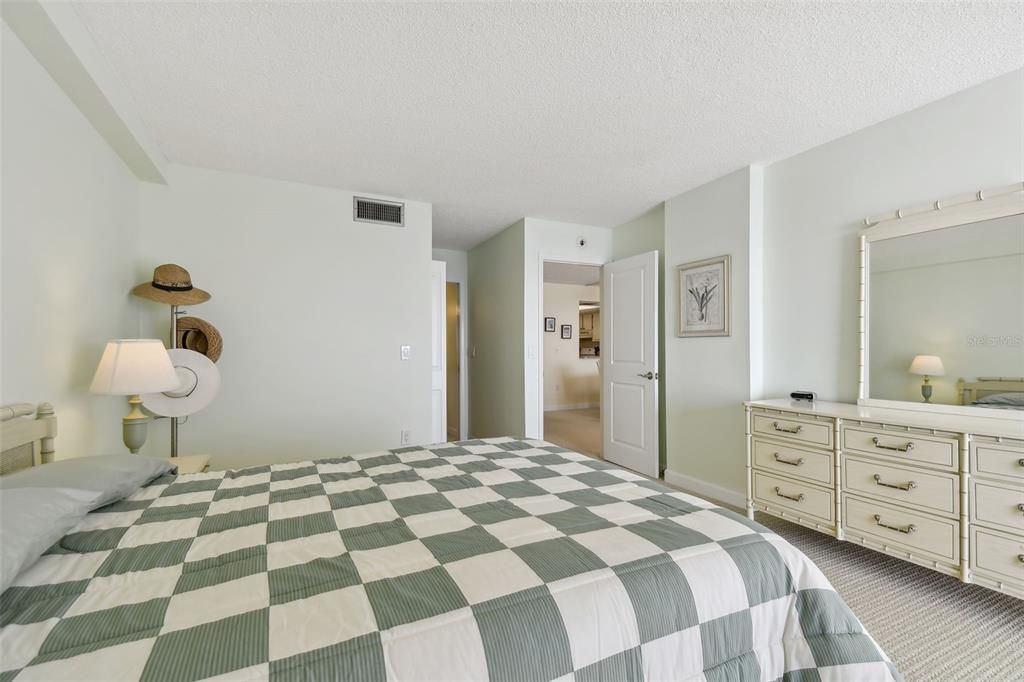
(624, 425)
(571, 367)
(453, 365)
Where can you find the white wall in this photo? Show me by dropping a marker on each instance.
(815, 202)
(549, 240)
(313, 308)
(570, 382)
(69, 238)
(457, 270)
(709, 377)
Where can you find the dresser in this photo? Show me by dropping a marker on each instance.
(941, 491)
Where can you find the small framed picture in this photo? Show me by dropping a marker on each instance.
(549, 324)
(704, 297)
(566, 331)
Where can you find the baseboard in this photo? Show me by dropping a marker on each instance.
(715, 493)
(576, 406)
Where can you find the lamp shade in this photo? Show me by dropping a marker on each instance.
(134, 366)
(927, 365)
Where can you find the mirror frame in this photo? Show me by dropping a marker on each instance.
(964, 209)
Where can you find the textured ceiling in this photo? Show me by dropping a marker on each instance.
(587, 113)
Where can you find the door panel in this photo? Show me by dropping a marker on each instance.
(629, 351)
(438, 380)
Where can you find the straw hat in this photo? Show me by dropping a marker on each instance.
(172, 285)
(200, 336)
(200, 381)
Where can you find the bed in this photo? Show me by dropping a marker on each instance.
(501, 559)
(994, 393)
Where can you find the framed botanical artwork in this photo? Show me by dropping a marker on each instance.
(704, 306)
(566, 331)
(549, 324)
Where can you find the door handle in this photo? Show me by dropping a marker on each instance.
(648, 375)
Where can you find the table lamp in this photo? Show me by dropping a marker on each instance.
(927, 366)
(131, 367)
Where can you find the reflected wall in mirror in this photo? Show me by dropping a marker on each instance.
(946, 311)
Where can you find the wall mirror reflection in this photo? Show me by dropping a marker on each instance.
(946, 316)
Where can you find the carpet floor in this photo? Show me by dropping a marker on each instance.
(932, 626)
(578, 430)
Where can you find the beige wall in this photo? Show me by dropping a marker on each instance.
(313, 307)
(68, 242)
(570, 382)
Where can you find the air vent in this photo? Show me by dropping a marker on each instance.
(377, 211)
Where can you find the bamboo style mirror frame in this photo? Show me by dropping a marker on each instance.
(962, 210)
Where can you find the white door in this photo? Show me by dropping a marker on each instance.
(438, 350)
(629, 351)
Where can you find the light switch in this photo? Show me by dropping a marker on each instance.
(406, 352)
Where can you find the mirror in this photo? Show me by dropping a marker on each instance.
(945, 316)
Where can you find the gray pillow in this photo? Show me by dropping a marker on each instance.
(32, 520)
(1013, 399)
(113, 477)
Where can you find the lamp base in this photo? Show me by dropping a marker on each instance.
(926, 391)
(134, 426)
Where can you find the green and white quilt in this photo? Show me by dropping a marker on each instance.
(498, 559)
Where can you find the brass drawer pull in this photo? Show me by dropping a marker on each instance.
(795, 498)
(1020, 557)
(792, 462)
(1021, 461)
(909, 485)
(906, 529)
(1020, 507)
(781, 429)
(895, 448)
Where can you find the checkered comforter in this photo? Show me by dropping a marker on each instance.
(495, 559)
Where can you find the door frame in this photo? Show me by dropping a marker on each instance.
(463, 378)
(568, 260)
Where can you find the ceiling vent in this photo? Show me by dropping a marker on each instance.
(377, 211)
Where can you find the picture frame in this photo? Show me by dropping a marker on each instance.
(705, 306)
(549, 324)
(566, 331)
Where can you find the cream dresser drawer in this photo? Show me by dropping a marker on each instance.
(928, 490)
(802, 498)
(907, 447)
(998, 459)
(899, 528)
(998, 505)
(998, 556)
(788, 460)
(795, 429)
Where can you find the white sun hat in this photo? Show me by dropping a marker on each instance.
(200, 381)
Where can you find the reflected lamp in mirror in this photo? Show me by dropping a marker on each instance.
(132, 367)
(927, 366)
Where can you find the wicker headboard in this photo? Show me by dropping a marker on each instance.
(26, 436)
(969, 391)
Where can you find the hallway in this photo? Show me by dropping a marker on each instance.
(578, 430)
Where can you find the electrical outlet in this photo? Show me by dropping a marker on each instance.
(406, 437)
(406, 352)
